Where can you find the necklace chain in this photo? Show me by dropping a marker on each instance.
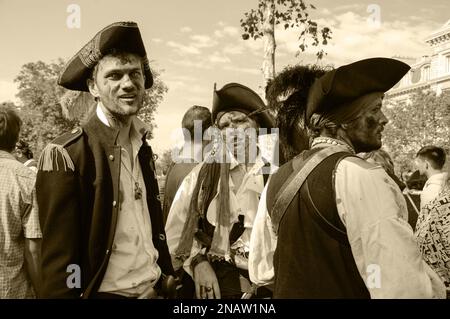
(137, 187)
(330, 141)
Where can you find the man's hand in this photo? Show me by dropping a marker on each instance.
(206, 284)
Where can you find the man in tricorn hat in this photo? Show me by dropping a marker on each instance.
(340, 223)
(96, 187)
(210, 221)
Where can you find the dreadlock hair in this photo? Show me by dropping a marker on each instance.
(319, 126)
(287, 95)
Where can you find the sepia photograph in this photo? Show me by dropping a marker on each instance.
(247, 151)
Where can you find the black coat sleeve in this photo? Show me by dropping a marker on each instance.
(58, 196)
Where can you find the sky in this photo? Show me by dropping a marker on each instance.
(197, 43)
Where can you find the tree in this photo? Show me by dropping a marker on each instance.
(260, 23)
(49, 110)
(41, 112)
(153, 97)
(163, 162)
(423, 120)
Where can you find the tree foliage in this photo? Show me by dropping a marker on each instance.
(163, 162)
(423, 120)
(41, 111)
(289, 14)
(153, 97)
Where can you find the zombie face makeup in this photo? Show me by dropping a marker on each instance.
(365, 132)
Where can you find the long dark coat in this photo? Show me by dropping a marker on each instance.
(78, 195)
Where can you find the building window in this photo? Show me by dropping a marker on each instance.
(426, 73)
(447, 63)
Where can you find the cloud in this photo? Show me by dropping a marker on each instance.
(202, 41)
(233, 49)
(157, 40)
(230, 31)
(183, 49)
(226, 31)
(8, 91)
(186, 29)
(216, 57)
(252, 71)
(354, 38)
(191, 64)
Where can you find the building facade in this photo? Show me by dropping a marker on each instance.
(428, 72)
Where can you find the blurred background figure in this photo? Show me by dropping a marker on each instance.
(412, 196)
(382, 158)
(190, 155)
(20, 235)
(24, 155)
(430, 161)
(433, 234)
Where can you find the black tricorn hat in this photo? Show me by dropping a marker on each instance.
(238, 97)
(345, 84)
(121, 36)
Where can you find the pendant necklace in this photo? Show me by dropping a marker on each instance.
(137, 187)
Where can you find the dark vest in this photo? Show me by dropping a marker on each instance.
(313, 258)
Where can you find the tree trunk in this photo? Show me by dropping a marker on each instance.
(268, 65)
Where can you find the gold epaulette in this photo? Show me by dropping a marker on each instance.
(48, 161)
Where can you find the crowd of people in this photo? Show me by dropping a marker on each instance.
(318, 214)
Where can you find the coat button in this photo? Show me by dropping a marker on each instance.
(114, 203)
(107, 251)
(111, 157)
(162, 237)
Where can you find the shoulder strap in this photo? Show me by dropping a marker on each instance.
(293, 184)
(48, 161)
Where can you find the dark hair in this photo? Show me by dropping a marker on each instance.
(10, 124)
(435, 155)
(196, 113)
(24, 148)
(287, 95)
(318, 126)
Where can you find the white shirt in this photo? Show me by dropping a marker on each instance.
(132, 266)
(432, 188)
(243, 201)
(374, 212)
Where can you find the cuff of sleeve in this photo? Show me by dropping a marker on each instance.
(196, 260)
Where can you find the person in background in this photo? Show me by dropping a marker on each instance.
(24, 155)
(211, 218)
(433, 234)
(287, 96)
(191, 153)
(20, 235)
(430, 161)
(381, 157)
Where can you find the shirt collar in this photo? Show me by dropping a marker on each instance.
(139, 127)
(255, 169)
(438, 177)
